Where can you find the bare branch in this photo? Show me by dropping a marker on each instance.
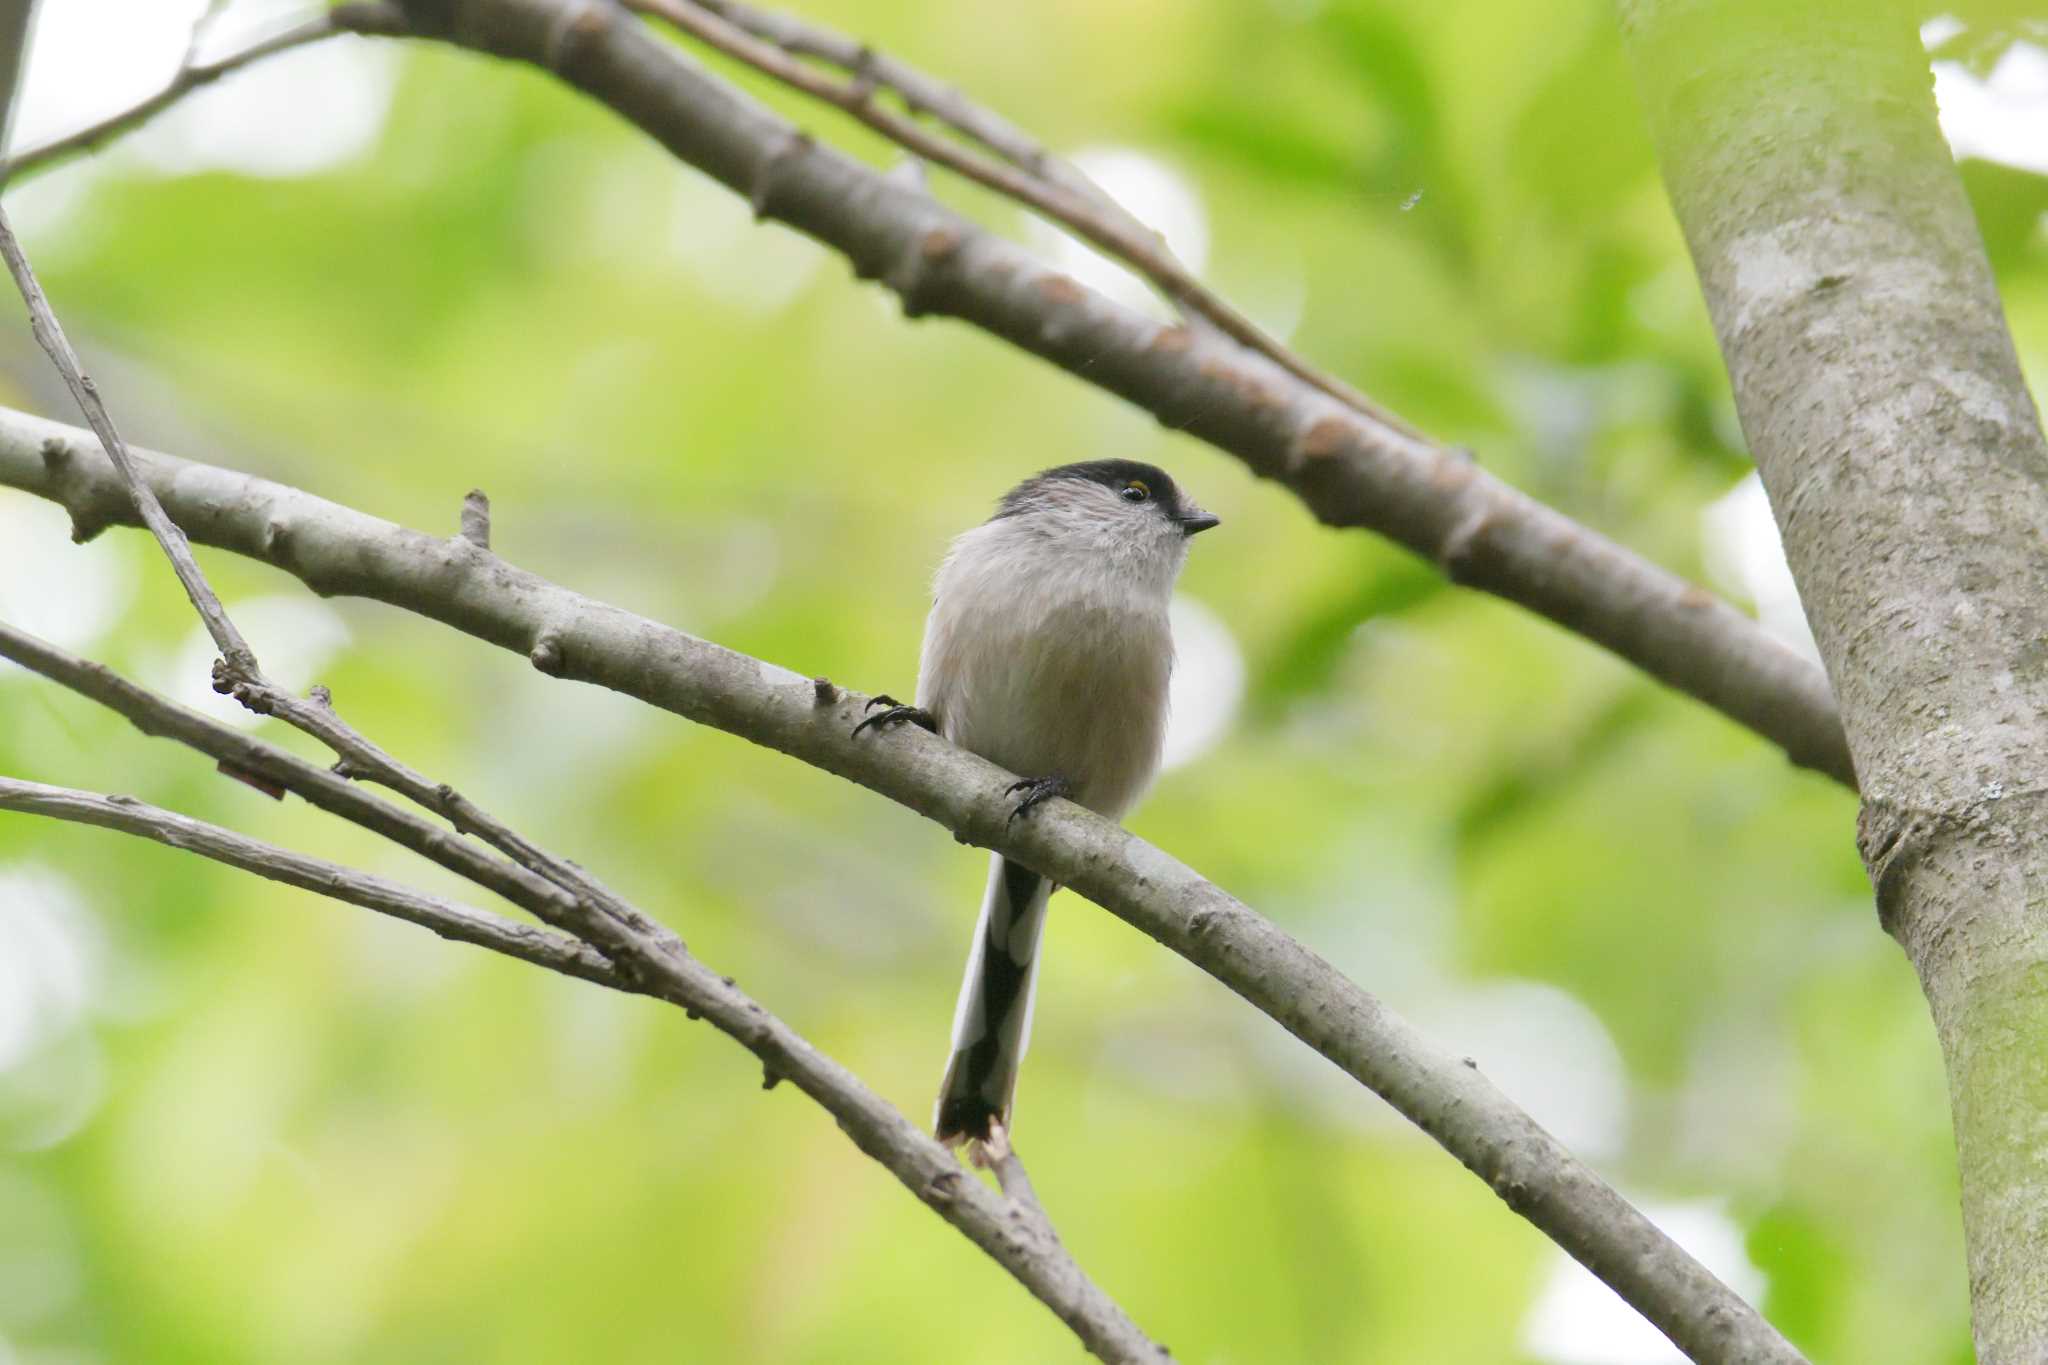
(274, 770)
(50, 335)
(1350, 470)
(449, 919)
(652, 963)
(999, 1155)
(336, 550)
(1092, 216)
(191, 76)
(920, 93)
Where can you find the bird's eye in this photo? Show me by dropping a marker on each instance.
(1136, 491)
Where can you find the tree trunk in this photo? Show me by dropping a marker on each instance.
(1880, 394)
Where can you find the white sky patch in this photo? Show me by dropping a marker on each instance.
(1546, 1050)
(2002, 117)
(1746, 559)
(1157, 196)
(297, 114)
(67, 594)
(1208, 682)
(295, 638)
(1577, 1320)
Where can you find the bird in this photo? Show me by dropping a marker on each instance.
(1048, 652)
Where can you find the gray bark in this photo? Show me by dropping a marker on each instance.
(1904, 459)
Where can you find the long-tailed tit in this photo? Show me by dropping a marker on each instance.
(1047, 651)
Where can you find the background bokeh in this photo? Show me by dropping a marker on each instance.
(240, 1124)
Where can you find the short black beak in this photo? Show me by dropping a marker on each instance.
(1196, 522)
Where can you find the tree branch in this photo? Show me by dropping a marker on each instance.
(1906, 465)
(1094, 217)
(450, 919)
(336, 550)
(1350, 470)
(653, 964)
(920, 93)
(193, 75)
(50, 335)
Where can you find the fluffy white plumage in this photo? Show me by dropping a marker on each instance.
(1048, 651)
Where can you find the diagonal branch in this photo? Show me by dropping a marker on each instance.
(646, 962)
(450, 919)
(194, 75)
(1094, 217)
(336, 550)
(920, 93)
(49, 334)
(1350, 470)
(270, 768)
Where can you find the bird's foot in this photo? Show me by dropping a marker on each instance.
(1037, 791)
(896, 715)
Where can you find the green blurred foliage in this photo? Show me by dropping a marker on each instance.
(301, 1134)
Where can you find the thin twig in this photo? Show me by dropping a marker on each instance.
(450, 919)
(999, 1154)
(244, 756)
(336, 550)
(50, 334)
(921, 94)
(1117, 232)
(191, 76)
(476, 519)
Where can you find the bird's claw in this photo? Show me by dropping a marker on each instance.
(1037, 791)
(896, 715)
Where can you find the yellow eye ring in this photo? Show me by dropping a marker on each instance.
(1136, 491)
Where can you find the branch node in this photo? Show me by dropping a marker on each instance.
(476, 519)
(1326, 438)
(547, 654)
(576, 24)
(85, 528)
(770, 1078)
(274, 790)
(277, 533)
(1455, 555)
(865, 78)
(824, 691)
(909, 173)
(57, 453)
(761, 198)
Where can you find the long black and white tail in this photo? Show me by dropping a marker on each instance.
(993, 1021)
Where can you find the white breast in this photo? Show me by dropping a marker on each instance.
(1049, 662)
